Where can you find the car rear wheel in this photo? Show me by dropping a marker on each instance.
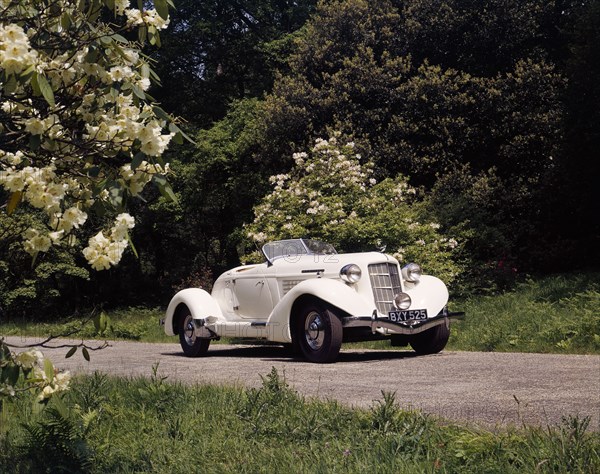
(431, 341)
(318, 332)
(192, 345)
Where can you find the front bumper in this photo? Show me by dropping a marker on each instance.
(376, 323)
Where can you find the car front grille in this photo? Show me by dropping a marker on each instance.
(385, 281)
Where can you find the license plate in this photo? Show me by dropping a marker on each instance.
(407, 315)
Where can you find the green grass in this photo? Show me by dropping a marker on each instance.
(106, 424)
(134, 324)
(558, 314)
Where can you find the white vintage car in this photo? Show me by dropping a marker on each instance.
(307, 295)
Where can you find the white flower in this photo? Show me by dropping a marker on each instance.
(35, 126)
(144, 83)
(15, 52)
(120, 6)
(125, 220)
(61, 381)
(119, 231)
(29, 359)
(46, 393)
(100, 262)
(134, 17)
(73, 217)
(56, 237)
(35, 242)
(119, 73)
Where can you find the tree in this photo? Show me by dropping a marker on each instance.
(219, 51)
(489, 109)
(80, 135)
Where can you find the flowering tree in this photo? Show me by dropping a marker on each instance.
(330, 194)
(79, 134)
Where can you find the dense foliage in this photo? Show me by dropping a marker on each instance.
(152, 425)
(488, 109)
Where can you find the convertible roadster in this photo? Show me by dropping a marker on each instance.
(307, 295)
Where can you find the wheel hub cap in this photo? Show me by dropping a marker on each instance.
(189, 332)
(314, 332)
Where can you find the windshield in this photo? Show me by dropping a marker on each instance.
(296, 247)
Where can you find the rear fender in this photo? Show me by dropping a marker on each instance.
(200, 303)
(333, 292)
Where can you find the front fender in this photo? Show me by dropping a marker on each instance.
(200, 303)
(430, 294)
(333, 292)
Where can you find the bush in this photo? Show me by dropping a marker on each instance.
(332, 194)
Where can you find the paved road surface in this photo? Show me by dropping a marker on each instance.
(478, 387)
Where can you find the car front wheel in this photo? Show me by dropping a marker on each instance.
(431, 341)
(192, 345)
(319, 333)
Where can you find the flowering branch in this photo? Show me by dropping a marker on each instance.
(78, 131)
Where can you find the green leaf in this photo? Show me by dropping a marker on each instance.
(34, 142)
(38, 405)
(162, 8)
(145, 70)
(142, 34)
(49, 369)
(137, 160)
(163, 186)
(120, 39)
(101, 322)
(13, 202)
(86, 354)
(26, 75)
(132, 246)
(151, 36)
(61, 407)
(65, 21)
(4, 351)
(175, 129)
(10, 374)
(10, 85)
(45, 88)
(168, 192)
(138, 92)
(72, 351)
(93, 172)
(160, 113)
(178, 139)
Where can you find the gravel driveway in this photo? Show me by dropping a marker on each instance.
(485, 388)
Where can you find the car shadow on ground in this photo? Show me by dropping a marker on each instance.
(283, 354)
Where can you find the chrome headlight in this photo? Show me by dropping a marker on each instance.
(402, 301)
(412, 272)
(350, 273)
